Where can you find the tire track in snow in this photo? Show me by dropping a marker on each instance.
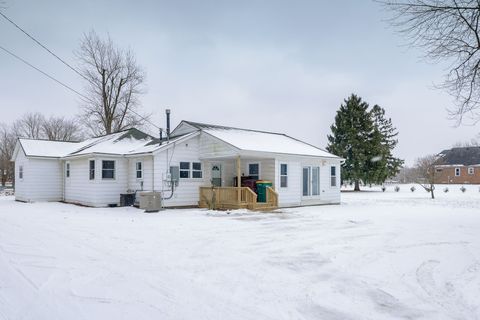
(445, 296)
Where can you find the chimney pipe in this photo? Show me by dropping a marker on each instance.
(160, 133)
(168, 123)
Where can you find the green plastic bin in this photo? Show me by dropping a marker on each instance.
(262, 190)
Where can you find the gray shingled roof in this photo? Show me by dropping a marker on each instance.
(460, 156)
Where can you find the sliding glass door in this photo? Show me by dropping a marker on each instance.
(311, 181)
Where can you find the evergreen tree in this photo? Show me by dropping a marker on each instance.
(350, 138)
(366, 140)
(384, 139)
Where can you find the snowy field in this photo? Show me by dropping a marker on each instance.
(378, 255)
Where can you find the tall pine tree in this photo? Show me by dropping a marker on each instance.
(384, 140)
(350, 139)
(365, 138)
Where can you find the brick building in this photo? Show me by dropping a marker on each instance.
(458, 166)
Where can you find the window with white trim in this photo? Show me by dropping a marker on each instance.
(283, 175)
(197, 170)
(139, 170)
(20, 172)
(91, 168)
(67, 170)
(457, 172)
(108, 169)
(254, 170)
(333, 176)
(184, 170)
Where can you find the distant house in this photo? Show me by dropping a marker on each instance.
(458, 165)
(183, 167)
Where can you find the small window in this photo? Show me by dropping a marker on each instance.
(139, 170)
(92, 169)
(457, 172)
(283, 175)
(333, 176)
(196, 170)
(471, 170)
(185, 170)
(438, 170)
(20, 172)
(67, 170)
(108, 169)
(254, 171)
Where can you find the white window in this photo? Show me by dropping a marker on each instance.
(333, 176)
(20, 172)
(471, 170)
(196, 170)
(283, 175)
(185, 170)
(457, 172)
(67, 170)
(108, 169)
(91, 166)
(254, 171)
(139, 170)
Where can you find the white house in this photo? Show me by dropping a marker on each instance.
(196, 157)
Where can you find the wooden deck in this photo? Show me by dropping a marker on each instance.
(221, 198)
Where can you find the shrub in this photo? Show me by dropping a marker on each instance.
(445, 190)
(384, 188)
(412, 188)
(397, 188)
(463, 189)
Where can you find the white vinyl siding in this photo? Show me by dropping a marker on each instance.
(146, 183)
(42, 179)
(187, 192)
(99, 192)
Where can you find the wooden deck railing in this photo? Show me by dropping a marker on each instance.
(235, 198)
(272, 197)
(227, 197)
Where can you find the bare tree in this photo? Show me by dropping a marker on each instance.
(7, 146)
(29, 126)
(425, 167)
(448, 30)
(61, 129)
(114, 84)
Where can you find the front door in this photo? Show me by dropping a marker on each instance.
(216, 175)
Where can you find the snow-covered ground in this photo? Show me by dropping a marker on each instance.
(378, 255)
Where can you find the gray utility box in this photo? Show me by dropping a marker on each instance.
(150, 201)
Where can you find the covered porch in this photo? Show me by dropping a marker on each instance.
(232, 184)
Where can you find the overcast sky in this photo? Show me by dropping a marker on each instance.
(273, 65)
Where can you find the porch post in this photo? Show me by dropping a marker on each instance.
(239, 180)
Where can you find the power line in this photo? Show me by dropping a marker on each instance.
(61, 60)
(66, 86)
(43, 46)
(44, 73)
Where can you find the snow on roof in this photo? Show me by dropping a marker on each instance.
(45, 148)
(261, 141)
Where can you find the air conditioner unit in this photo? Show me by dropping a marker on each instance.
(150, 201)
